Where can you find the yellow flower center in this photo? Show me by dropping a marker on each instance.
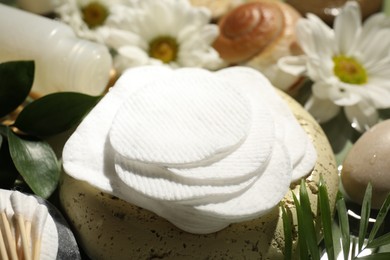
(349, 70)
(164, 48)
(94, 14)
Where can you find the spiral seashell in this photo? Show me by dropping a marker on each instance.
(257, 34)
(249, 28)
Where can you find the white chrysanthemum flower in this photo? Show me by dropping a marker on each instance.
(86, 17)
(350, 65)
(168, 32)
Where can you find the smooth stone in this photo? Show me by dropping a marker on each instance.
(368, 161)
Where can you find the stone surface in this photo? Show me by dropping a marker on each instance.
(368, 161)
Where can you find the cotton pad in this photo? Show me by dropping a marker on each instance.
(294, 137)
(262, 196)
(251, 156)
(81, 151)
(201, 149)
(305, 165)
(292, 133)
(203, 219)
(160, 184)
(181, 121)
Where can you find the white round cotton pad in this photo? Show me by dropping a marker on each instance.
(261, 197)
(84, 146)
(182, 120)
(160, 184)
(293, 135)
(305, 165)
(253, 155)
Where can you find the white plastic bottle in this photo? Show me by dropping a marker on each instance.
(63, 62)
(36, 6)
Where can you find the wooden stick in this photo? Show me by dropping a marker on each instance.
(39, 220)
(3, 250)
(10, 238)
(30, 205)
(17, 202)
(27, 224)
(22, 230)
(37, 249)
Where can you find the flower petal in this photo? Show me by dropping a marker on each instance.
(380, 68)
(377, 48)
(339, 93)
(362, 116)
(314, 36)
(345, 98)
(321, 109)
(324, 38)
(116, 38)
(130, 56)
(378, 20)
(320, 69)
(294, 65)
(379, 96)
(347, 25)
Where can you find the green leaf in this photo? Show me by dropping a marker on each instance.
(16, 79)
(3, 130)
(326, 218)
(380, 218)
(36, 162)
(8, 172)
(302, 244)
(287, 228)
(365, 215)
(308, 227)
(344, 224)
(377, 256)
(54, 113)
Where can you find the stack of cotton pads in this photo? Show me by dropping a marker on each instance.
(201, 149)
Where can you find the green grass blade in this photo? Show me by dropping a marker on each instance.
(380, 218)
(302, 245)
(326, 219)
(365, 215)
(344, 225)
(287, 228)
(380, 241)
(308, 227)
(377, 256)
(353, 247)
